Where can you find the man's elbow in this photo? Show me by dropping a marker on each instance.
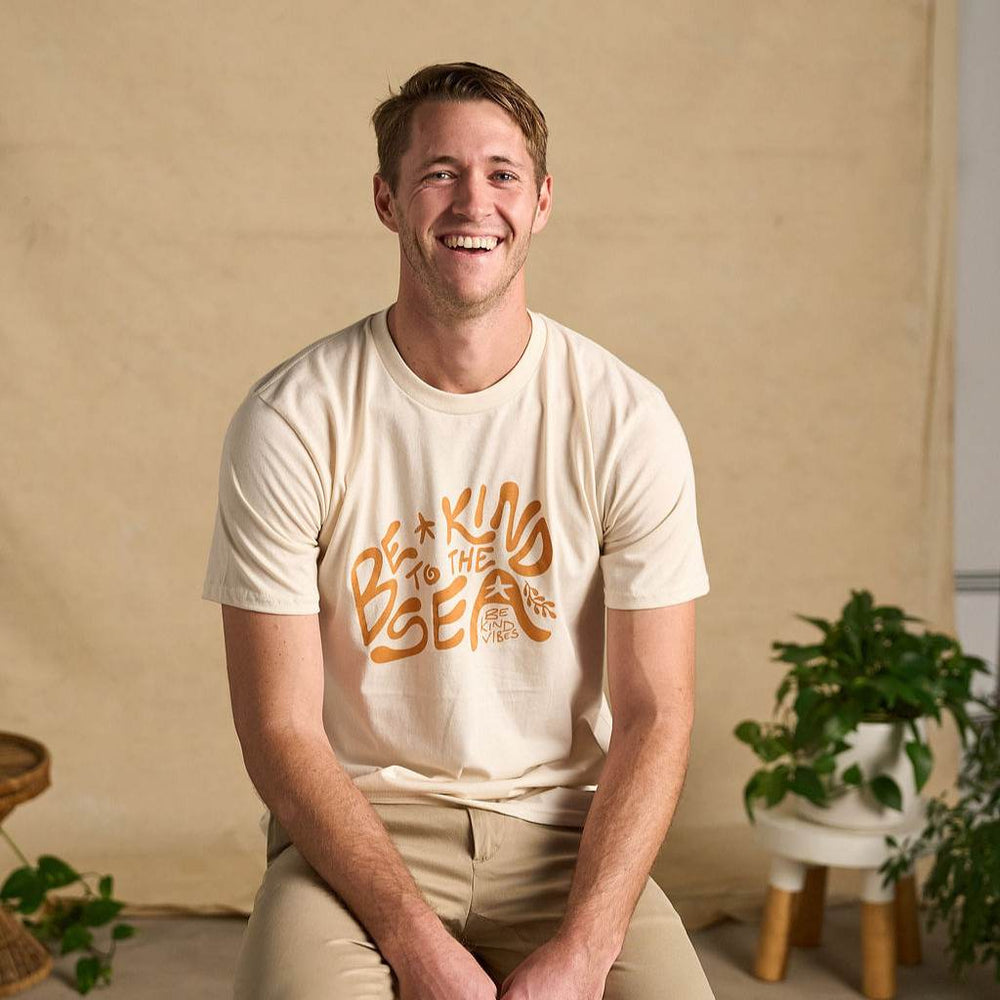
(673, 724)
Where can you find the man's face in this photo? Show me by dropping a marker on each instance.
(466, 172)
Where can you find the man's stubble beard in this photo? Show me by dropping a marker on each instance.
(446, 302)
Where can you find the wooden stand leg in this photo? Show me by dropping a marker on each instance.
(807, 918)
(878, 950)
(907, 922)
(772, 945)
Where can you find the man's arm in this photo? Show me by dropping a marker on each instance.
(651, 655)
(275, 666)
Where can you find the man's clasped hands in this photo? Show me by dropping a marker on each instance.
(442, 969)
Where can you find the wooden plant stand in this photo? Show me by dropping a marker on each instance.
(793, 912)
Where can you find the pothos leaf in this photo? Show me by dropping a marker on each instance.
(923, 761)
(887, 792)
(806, 783)
(852, 776)
(55, 873)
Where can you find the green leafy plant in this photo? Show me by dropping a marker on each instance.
(963, 887)
(66, 924)
(867, 668)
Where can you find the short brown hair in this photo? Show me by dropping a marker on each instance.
(462, 81)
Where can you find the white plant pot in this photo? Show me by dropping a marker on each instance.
(877, 748)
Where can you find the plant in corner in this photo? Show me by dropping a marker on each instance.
(867, 668)
(963, 887)
(66, 924)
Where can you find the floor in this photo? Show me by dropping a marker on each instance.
(194, 958)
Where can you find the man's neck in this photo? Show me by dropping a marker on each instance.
(460, 354)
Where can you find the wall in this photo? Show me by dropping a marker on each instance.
(753, 207)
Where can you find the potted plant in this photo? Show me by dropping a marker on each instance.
(848, 737)
(963, 887)
(66, 925)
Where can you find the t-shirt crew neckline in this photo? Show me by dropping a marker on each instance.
(457, 402)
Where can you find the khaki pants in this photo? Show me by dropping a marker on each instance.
(498, 883)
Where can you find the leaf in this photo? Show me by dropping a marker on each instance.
(863, 600)
(775, 785)
(807, 700)
(87, 970)
(799, 655)
(32, 899)
(105, 886)
(747, 732)
(121, 931)
(750, 793)
(888, 611)
(852, 776)
(923, 761)
(976, 664)
(893, 689)
(75, 938)
(99, 911)
(55, 873)
(783, 688)
(824, 764)
(820, 623)
(19, 882)
(887, 792)
(912, 663)
(772, 748)
(806, 783)
(962, 720)
(853, 640)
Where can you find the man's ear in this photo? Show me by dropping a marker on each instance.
(543, 208)
(384, 203)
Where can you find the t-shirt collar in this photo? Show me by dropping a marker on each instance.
(457, 402)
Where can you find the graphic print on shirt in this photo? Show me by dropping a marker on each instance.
(480, 595)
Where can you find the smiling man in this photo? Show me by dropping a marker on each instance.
(465, 200)
(423, 520)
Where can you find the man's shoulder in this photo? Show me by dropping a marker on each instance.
(604, 371)
(322, 364)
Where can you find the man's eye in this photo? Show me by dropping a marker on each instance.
(447, 173)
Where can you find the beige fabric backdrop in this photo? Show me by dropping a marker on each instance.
(753, 207)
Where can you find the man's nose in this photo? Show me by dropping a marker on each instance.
(473, 196)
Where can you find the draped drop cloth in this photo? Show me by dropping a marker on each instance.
(753, 208)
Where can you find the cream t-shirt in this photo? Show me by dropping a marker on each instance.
(460, 549)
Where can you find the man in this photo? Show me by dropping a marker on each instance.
(422, 518)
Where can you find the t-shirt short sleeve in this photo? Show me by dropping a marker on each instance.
(651, 555)
(265, 546)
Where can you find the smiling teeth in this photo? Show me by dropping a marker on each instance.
(471, 242)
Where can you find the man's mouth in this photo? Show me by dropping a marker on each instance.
(471, 244)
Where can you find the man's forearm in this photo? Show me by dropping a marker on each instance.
(632, 809)
(339, 833)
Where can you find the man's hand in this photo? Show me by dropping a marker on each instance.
(439, 968)
(559, 970)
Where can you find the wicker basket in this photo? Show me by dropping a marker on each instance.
(24, 772)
